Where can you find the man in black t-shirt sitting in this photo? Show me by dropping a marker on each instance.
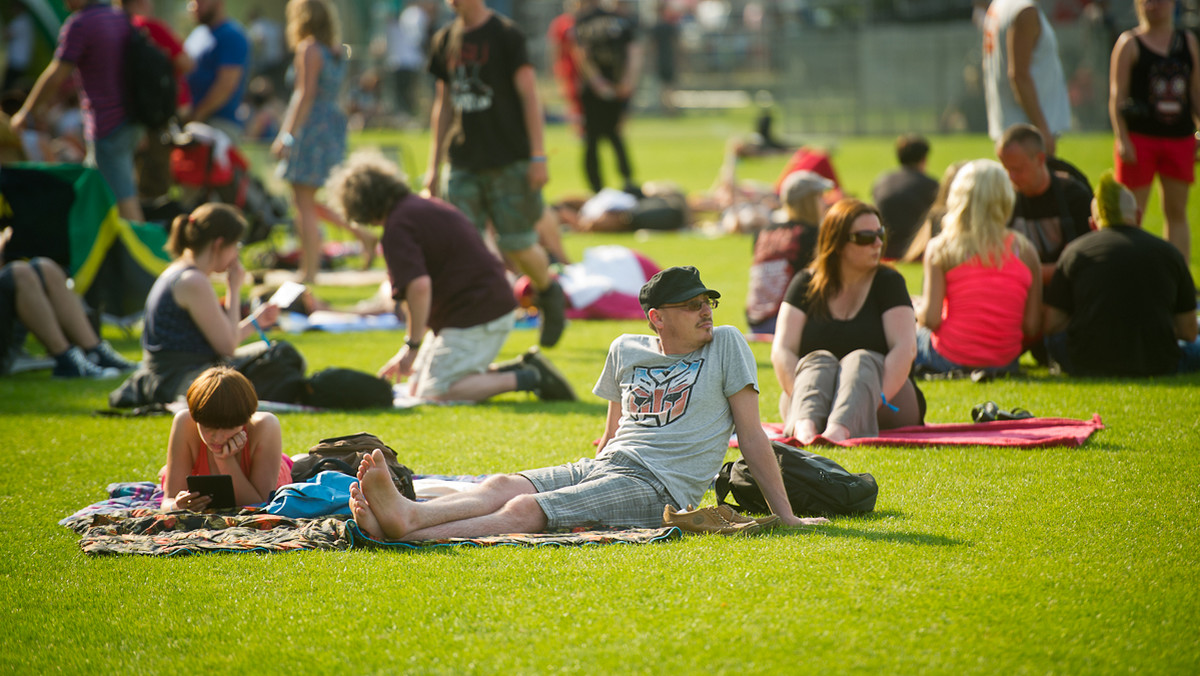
(1122, 301)
(1051, 208)
(905, 195)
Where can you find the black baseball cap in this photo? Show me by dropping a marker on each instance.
(673, 285)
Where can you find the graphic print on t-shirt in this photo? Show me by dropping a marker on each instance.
(660, 396)
(468, 92)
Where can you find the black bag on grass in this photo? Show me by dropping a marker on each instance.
(343, 454)
(347, 389)
(815, 485)
(277, 371)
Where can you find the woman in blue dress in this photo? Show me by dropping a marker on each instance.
(312, 136)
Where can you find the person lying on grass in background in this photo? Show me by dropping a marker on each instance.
(222, 432)
(673, 399)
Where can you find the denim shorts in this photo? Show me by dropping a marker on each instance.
(611, 491)
(500, 196)
(113, 156)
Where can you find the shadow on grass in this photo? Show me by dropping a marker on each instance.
(924, 539)
(845, 529)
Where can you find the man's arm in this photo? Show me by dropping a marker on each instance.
(756, 449)
(1023, 36)
(1185, 326)
(1054, 320)
(439, 123)
(418, 298)
(525, 80)
(222, 89)
(610, 425)
(634, 55)
(44, 90)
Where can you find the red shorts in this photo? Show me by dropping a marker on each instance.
(1169, 156)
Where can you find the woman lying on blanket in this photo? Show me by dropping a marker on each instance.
(846, 336)
(221, 432)
(187, 328)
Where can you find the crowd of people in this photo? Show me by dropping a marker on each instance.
(1019, 254)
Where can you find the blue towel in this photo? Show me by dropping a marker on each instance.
(327, 494)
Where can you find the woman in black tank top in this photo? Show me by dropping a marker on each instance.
(1153, 88)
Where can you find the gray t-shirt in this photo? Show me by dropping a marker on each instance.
(675, 415)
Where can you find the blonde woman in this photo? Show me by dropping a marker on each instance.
(983, 282)
(312, 136)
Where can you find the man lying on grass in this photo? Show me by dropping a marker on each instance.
(674, 398)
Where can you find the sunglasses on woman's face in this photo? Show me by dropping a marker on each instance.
(868, 237)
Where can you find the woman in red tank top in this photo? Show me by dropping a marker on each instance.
(221, 432)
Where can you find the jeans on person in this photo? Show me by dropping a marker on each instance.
(929, 360)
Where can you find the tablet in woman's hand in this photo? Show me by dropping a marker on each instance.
(218, 487)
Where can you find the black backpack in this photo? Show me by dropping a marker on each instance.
(346, 389)
(343, 454)
(150, 93)
(815, 485)
(277, 371)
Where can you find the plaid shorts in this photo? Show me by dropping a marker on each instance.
(612, 491)
(501, 196)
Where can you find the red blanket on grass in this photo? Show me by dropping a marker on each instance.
(1028, 433)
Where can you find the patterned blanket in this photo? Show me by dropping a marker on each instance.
(129, 522)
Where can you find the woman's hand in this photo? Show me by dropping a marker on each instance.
(232, 447)
(280, 150)
(194, 502)
(1126, 150)
(235, 274)
(266, 315)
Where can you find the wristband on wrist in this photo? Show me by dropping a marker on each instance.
(893, 409)
(286, 139)
(413, 344)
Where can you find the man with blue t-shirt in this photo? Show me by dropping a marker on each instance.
(673, 400)
(222, 55)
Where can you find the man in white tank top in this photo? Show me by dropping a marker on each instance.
(1023, 76)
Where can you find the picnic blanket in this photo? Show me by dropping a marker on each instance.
(1027, 433)
(130, 522)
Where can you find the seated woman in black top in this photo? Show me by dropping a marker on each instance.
(846, 336)
(187, 329)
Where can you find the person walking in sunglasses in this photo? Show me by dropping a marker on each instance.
(846, 336)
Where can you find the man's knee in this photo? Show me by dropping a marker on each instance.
(525, 510)
(510, 485)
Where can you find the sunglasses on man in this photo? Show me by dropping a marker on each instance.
(693, 305)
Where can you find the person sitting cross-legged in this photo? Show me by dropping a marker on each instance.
(1122, 301)
(673, 399)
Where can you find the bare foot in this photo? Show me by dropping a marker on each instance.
(360, 509)
(806, 431)
(395, 513)
(836, 432)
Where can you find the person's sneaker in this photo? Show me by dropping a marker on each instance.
(507, 365)
(74, 364)
(732, 516)
(104, 356)
(552, 306)
(553, 386)
(707, 520)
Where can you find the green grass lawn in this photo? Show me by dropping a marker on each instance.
(976, 559)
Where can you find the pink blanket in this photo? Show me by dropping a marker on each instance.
(1028, 433)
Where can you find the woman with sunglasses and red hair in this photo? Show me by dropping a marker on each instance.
(846, 336)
